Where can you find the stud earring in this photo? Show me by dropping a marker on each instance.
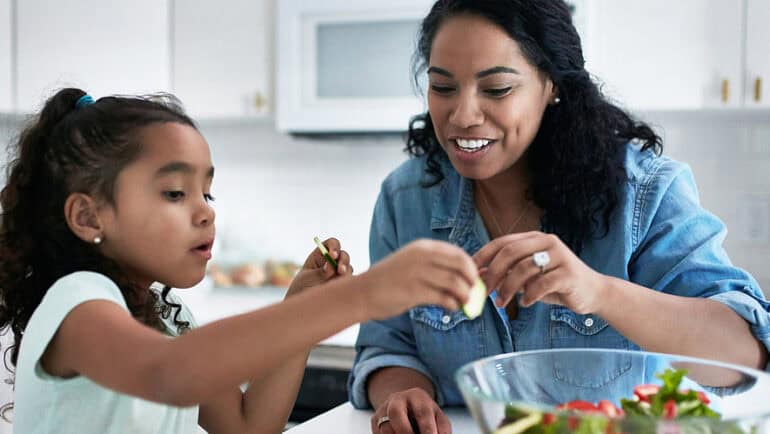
(97, 240)
(556, 100)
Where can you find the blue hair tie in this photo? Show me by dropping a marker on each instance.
(84, 101)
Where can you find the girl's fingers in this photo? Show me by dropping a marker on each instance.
(454, 258)
(343, 263)
(333, 246)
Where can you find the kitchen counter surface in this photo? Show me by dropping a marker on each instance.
(345, 419)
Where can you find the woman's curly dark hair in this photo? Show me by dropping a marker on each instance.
(576, 158)
(65, 150)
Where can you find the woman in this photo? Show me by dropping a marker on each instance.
(587, 235)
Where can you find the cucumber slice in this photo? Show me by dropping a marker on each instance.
(325, 252)
(476, 300)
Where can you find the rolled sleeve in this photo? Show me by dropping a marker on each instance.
(681, 252)
(371, 359)
(752, 309)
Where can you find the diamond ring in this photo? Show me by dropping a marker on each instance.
(541, 259)
(382, 420)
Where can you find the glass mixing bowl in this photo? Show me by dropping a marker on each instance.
(520, 392)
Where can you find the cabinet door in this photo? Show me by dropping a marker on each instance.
(757, 59)
(102, 46)
(662, 54)
(222, 53)
(6, 97)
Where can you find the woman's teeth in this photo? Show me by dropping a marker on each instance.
(471, 145)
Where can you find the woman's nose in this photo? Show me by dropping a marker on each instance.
(467, 113)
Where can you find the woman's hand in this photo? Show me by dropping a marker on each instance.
(564, 280)
(422, 272)
(317, 270)
(411, 411)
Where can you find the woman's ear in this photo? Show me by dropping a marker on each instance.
(553, 93)
(81, 213)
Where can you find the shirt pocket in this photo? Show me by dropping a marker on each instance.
(446, 340)
(571, 330)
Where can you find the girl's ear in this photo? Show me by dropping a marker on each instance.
(80, 211)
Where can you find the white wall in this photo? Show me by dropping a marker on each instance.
(275, 192)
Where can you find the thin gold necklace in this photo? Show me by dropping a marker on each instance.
(494, 220)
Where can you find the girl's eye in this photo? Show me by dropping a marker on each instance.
(174, 195)
(441, 89)
(498, 91)
(209, 197)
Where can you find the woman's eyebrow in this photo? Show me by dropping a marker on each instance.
(480, 74)
(497, 70)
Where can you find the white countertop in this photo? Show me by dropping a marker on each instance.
(345, 419)
(210, 304)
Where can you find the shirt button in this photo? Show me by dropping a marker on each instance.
(445, 319)
(588, 322)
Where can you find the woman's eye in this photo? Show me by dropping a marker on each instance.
(441, 89)
(209, 197)
(174, 195)
(498, 91)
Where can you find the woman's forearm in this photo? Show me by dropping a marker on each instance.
(386, 381)
(691, 326)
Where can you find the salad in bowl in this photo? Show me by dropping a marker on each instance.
(534, 392)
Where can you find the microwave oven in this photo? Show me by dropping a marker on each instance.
(345, 66)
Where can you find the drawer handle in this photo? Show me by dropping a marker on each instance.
(725, 90)
(758, 89)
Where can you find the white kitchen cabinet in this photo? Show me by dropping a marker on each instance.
(757, 77)
(662, 54)
(222, 57)
(102, 46)
(6, 95)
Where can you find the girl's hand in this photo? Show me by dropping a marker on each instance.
(317, 270)
(410, 411)
(564, 280)
(422, 272)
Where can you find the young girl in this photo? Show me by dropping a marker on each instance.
(105, 198)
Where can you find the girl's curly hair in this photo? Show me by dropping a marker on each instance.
(65, 150)
(576, 158)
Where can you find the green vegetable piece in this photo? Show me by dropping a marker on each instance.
(476, 299)
(520, 425)
(325, 253)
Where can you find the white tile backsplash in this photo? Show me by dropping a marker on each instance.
(275, 192)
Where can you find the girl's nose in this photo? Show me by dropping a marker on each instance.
(205, 216)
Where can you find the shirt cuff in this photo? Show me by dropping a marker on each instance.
(367, 365)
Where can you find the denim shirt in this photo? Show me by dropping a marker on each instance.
(659, 237)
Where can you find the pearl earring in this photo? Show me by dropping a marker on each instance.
(556, 100)
(97, 240)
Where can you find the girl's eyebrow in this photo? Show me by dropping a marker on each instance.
(180, 166)
(480, 74)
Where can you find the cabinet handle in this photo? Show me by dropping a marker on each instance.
(259, 102)
(725, 90)
(758, 89)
